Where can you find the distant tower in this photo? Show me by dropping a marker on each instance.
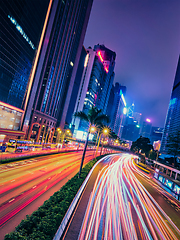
(172, 124)
(146, 128)
(137, 117)
(118, 106)
(130, 110)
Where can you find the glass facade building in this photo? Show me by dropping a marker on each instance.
(54, 71)
(21, 23)
(96, 82)
(172, 123)
(115, 107)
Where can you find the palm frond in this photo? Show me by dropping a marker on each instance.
(93, 113)
(101, 118)
(82, 116)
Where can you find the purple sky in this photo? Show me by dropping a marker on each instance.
(145, 34)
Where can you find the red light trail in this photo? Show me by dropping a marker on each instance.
(23, 183)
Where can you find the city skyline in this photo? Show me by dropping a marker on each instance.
(146, 38)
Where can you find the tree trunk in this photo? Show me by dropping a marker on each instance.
(98, 145)
(84, 152)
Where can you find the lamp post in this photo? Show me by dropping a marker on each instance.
(105, 131)
(91, 129)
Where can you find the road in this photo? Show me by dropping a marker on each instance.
(124, 203)
(25, 185)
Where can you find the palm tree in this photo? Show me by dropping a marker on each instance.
(94, 117)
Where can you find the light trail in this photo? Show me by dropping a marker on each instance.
(120, 207)
(22, 186)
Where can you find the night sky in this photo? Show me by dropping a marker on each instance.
(145, 34)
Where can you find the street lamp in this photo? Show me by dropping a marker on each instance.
(92, 129)
(116, 141)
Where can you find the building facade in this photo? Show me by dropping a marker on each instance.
(115, 107)
(146, 129)
(172, 123)
(21, 23)
(96, 82)
(130, 129)
(75, 90)
(55, 67)
(156, 134)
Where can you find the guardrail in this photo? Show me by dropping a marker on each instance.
(168, 170)
(70, 210)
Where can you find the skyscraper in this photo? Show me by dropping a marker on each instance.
(172, 124)
(115, 107)
(96, 82)
(21, 23)
(146, 129)
(76, 87)
(130, 129)
(55, 67)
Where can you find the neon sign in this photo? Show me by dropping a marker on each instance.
(106, 69)
(102, 60)
(122, 96)
(100, 56)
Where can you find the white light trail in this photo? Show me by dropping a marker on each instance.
(121, 208)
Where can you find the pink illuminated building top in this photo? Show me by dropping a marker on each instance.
(102, 60)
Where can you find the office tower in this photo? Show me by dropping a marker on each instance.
(130, 110)
(172, 123)
(21, 23)
(115, 107)
(131, 129)
(96, 82)
(146, 128)
(156, 134)
(55, 67)
(137, 117)
(75, 90)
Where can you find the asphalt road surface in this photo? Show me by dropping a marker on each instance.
(25, 185)
(122, 202)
